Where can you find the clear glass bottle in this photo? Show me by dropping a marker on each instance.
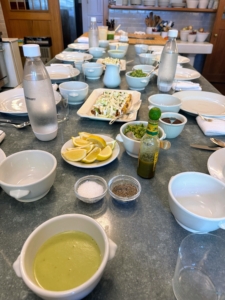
(93, 33)
(39, 95)
(168, 63)
(149, 146)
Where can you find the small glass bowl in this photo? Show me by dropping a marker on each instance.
(93, 178)
(122, 179)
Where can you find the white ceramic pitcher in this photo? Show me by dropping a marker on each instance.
(112, 78)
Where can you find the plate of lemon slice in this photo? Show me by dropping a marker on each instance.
(90, 150)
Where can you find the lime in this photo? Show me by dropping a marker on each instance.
(154, 113)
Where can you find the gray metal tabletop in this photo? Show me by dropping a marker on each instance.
(147, 235)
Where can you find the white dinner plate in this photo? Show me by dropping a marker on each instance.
(156, 48)
(2, 155)
(184, 74)
(122, 63)
(180, 60)
(216, 164)
(71, 56)
(60, 72)
(79, 46)
(204, 103)
(97, 164)
(85, 110)
(13, 102)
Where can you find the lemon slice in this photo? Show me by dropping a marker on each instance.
(111, 144)
(84, 135)
(97, 140)
(78, 142)
(75, 154)
(105, 153)
(87, 147)
(91, 157)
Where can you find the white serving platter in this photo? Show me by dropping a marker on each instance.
(72, 56)
(216, 164)
(204, 103)
(97, 164)
(122, 63)
(184, 74)
(79, 46)
(85, 110)
(13, 102)
(61, 72)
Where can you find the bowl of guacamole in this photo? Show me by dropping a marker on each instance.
(137, 79)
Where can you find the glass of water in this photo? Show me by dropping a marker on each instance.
(63, 109)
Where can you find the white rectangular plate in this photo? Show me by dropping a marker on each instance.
(85, 110)
(123, 64)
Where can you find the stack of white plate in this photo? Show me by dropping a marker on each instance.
(178, 3)
(163, 3)
(149, 2)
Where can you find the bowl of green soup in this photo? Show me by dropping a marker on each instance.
(60, 249)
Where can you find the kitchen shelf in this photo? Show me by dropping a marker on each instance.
(142, 7)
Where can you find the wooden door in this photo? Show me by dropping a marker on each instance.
(23, 20)
(214, 67)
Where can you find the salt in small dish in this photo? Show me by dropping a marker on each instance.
(84, 189)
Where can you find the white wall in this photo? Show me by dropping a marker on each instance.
(2, 24)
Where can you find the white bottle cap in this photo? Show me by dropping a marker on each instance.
(173, 33)
(93, 19)
(31, 50)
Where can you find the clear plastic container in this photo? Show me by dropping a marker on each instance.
(93, 33)
(168, 63)
(39, 95)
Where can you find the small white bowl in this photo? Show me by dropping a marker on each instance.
(172, 130)
(23, 266)
(147, 58)
(92, 70)
(96, 179)
(137, 83)
(184, 35)
(28, 175)
(97, 52)
(197, 201)
(132, 146)
(145, 68)
(103, 43)
(117, 53)
(75, 91)
(191, 37)
(203, 3)
(166, 103)
(192, 3)
(201, 36)
(141, 48)
(119, 46)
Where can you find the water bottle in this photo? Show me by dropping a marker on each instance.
(39, 95)
(168, 63)
(93, 33)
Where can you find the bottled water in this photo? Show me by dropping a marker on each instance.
(93, 33)
(168, 63)
(39, 96)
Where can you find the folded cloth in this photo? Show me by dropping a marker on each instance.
(83, 39)
(186, 86)
(2, 135)
(139, 32)
(216, 127)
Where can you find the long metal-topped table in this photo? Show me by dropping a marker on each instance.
(147, 235)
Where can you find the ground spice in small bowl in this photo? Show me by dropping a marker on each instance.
(125, 190)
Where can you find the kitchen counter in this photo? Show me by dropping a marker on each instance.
(147, 235)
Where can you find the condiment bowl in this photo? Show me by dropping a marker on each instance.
(91, 185)
(92, 70)
(166, 103)
(197, 201)
(28, 175)
(132, 146)
(119, 46)
(124, 188)
(23, 266)
(144, 68)
(137, 83)
(103, 43)
(141, 48)
(117, 53)
(201, 36)
(75, 91)
(147, 58)
(97, 52)
(172, 130)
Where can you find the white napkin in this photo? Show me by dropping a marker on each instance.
(186, 86)
(216, 127)
(139, 32)
(2, 135)
(83, 39)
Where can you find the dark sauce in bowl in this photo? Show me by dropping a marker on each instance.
(171, 120)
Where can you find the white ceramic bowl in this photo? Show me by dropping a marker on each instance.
(192, 3)
(141, 48)
(137, 83)
(197, 201)
(23, 266)
(144, 68)
(28, 175)
(172, 130)
(184, 35)
(191, 37)
(147, 58)
(166, 103)
(132, 146)
(117, 53)
(97, 52)
(92, 70)
(119, 46)
(103, 43)
(75, 91)
(201, 36)
(203, 3)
